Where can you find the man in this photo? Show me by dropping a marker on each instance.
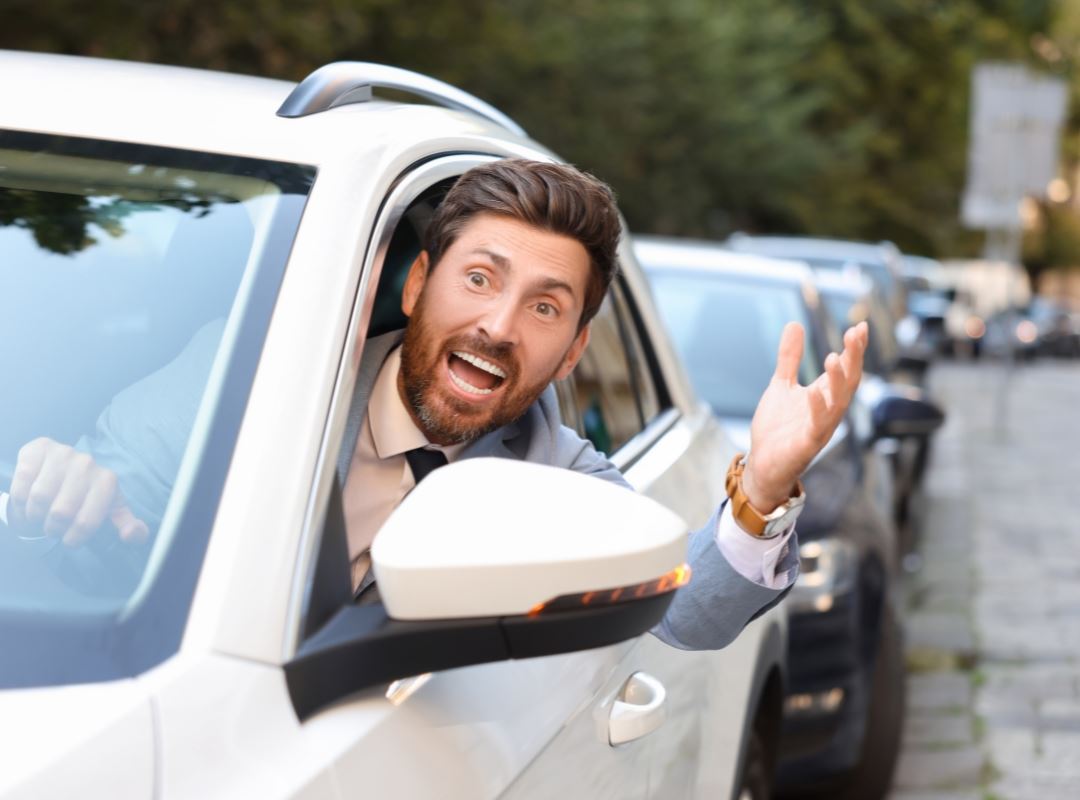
(517, 261)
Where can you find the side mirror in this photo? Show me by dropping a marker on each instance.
(905, 414)
(492, 559)
(910, 361)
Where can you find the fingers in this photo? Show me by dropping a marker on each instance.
(789, 353)
(92, 502)
(68, 495)
(837, 381)
(855, 342)
(132, 529)
(28, 466)
(47, 482)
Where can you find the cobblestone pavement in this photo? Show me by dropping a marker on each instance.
(993, 631)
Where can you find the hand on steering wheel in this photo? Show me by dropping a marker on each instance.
(61, 492)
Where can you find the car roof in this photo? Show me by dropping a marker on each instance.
(213, 111)
(811, 247)
(849, 283)
(658, 253)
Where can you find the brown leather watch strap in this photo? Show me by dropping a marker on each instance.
(748, 518)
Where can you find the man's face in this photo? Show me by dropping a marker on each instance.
(490, 326)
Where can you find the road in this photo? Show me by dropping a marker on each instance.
(993, 634)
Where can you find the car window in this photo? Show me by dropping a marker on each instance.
(645, 380)
(124, 294)
(727, 330)
(610, 405)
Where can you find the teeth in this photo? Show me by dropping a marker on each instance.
(468, 387)
(476, 361)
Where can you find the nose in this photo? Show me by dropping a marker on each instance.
(500, 322)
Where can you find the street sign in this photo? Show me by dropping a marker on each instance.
(1016, 120)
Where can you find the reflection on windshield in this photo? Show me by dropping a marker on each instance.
(119, 280)
(727, 331)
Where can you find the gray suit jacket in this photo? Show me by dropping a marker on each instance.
(706, 614)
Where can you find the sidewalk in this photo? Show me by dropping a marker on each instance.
(993, 630)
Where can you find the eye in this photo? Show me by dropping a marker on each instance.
(477, 279)
(546, 310)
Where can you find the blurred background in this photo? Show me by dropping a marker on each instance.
(949, 128)
(840, 117)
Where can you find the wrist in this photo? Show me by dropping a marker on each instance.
(761, 495)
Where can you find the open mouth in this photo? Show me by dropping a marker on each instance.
(474, 375)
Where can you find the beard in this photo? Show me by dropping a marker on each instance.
(443, 417)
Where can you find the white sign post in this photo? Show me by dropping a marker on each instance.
(1016, 121)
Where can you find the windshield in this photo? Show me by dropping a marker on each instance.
(727, 330)
(132, 303)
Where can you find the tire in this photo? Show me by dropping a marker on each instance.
(757, 769)
(871, 779)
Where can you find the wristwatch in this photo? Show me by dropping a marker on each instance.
(763, 526)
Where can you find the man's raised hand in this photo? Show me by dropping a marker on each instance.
(792, 422)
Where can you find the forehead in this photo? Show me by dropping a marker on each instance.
(525, 250)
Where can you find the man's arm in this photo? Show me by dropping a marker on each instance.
(791, 424)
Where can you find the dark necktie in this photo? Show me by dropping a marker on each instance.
(422, 462)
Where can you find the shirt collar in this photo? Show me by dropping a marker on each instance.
(393, 431)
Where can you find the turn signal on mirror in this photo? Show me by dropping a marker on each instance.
(680, 576)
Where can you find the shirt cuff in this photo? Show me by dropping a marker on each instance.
(753, 558)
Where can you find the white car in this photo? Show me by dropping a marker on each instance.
(252, 234)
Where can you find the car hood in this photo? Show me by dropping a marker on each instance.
(60, 741)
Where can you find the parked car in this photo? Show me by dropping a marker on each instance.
(1043, 327)
(929, 298)
(149, 211)
(881, 262)
(849, 300)
(843, 710)
(981, 291)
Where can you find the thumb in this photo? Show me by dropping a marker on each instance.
(789, 353)
(132, 529)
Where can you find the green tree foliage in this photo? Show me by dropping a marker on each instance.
(837, 117)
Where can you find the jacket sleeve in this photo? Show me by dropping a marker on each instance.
(710, 611)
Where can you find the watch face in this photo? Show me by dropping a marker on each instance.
(775, 527)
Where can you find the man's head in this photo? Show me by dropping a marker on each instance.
(517, 261)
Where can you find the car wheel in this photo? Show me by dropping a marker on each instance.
(872, 777)
(756, 771)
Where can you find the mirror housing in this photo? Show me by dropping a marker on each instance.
(912, 361)
(492, 559)
(905, 412)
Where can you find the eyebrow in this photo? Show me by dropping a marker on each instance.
(548, 284)
(501, 261)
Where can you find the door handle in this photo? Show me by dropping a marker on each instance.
(638, 710)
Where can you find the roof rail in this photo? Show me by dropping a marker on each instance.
(345, 82)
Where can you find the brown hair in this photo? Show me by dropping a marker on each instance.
(553, 197)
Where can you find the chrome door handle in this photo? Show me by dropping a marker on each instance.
(638, 710)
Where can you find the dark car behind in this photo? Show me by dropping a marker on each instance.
(844, 704)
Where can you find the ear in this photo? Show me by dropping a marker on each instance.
(574, 354)
(414, 283)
